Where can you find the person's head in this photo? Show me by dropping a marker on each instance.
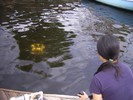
(108, 48)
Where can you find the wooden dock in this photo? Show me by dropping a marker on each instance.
(6, 94)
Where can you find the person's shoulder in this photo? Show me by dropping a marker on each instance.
(100, 75)
(124, 65)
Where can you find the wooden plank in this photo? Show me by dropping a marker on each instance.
(3, 96)
(10, 94)
(6, 94)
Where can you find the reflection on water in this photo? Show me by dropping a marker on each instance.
(39, 24)
(26, 68)
(42, 39)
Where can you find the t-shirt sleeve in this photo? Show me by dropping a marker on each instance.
(95, 86)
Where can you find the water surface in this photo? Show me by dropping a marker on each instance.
(51, 45)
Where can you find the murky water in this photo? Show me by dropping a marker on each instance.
(51, 44)
(118, 15)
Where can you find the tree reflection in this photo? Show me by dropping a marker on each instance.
(55, 40)
(36, 28)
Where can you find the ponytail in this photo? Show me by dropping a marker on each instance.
(107, 65)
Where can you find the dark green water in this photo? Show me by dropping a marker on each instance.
(51, 44)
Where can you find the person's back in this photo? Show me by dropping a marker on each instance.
(113, 80)
(114, 87)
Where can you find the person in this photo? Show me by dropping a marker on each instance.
(114, 79)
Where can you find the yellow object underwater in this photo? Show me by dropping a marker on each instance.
(37, 48)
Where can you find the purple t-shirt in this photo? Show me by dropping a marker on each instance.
(113, 88)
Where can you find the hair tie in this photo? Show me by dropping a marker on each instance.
(111, 60)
